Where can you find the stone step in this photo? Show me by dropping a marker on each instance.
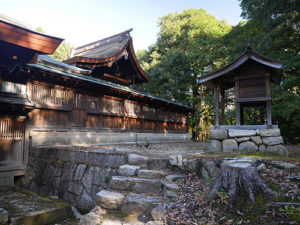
(139, 204)
(138, 160)
(128, 170)
(151, 174)
(27, 207)
(109, 199)
(136, 185)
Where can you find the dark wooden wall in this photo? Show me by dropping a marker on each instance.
(58, 107)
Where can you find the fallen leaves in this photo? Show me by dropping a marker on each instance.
(191, 206)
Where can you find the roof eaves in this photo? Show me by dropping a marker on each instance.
(108, 84)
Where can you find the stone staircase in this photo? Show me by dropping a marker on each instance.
(138, 187)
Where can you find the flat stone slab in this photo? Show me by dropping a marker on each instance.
(138, 160)
(286, 165)
(174, 177)
(171, 186)
(240, 160)
(151, 174)
(27, 207)
(128, 170)
(218, 134)
(269, 132)
(138, 204)
(272, 140)
(109, 199)
(241, 133)
(136, 185)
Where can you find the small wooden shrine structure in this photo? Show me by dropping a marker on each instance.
(250, 75)
(86, 100)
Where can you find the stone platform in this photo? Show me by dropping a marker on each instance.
(21, 206)
(247, 140)
(51, 138)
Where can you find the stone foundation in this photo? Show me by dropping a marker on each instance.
(51, 138)
(247, 140)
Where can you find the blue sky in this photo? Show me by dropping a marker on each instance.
(81, 22)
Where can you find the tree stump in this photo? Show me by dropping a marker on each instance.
(240, 178)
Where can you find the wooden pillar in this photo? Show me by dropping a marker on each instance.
(223, 106)
(241, 114)
(237, 104)
(216, 92)
(268, 104)
(269, 114)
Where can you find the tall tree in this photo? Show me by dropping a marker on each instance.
(189, 44)
(273, 29)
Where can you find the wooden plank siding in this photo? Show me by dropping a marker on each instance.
(65, 108)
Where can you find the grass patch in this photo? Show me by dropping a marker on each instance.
(258, 155)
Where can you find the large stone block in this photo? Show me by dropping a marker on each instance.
(114, 160)
(139, 204)
(128, 170)
(270, 132)
(248, 146)
(276, 149)
(109, 199)
(158, 212)
(230, 145)
(215, 146)
(87, 179)
(138, 160)
(242, 139)
(256, 139)
(78, 172)
(151, 174)
(241, 133)
(137, 185)
(272, 140)
(85, 202)
(218, 134)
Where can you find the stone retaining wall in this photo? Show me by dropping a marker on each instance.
(236, 140)
(74, 175)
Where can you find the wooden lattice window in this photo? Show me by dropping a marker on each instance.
(92, 103)
(11, 129)
(111, 106)
(49, 95)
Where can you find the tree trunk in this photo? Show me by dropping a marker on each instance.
(239, 179)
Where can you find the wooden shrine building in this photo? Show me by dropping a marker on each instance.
(85, 100)
(250, 75)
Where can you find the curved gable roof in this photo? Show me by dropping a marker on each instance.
(16, 33)
(108, 50)
(275, 66)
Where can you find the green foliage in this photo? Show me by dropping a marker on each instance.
(193, 43)
(273, 30)
(291, 211)
(63, 51)
(40, 30)
(188, 44)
